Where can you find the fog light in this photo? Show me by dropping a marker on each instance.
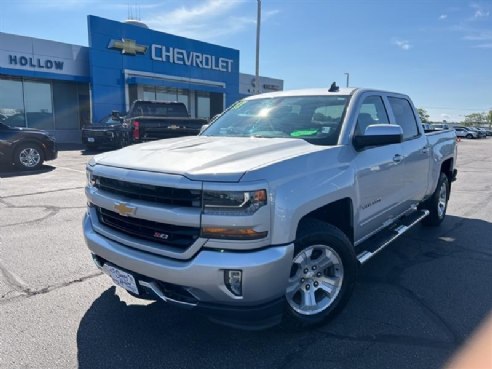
(233, 280)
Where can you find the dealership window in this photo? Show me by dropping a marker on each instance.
(203, 105)
(149, 93)
(38, 104)
(12, 102)
(51, 105)
(167, 94)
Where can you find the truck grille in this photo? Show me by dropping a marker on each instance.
(163, 195)
(179, 237)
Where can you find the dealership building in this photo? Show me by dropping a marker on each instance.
(60, 87)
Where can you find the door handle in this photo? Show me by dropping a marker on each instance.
(397, 158)
(425, 150)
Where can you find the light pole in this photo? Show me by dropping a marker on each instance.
(257, 75)
(348, 76)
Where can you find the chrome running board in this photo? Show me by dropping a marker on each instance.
(378, 242)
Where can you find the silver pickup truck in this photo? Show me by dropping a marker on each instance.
(268, 214)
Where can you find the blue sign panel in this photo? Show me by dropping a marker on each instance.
(122, 54)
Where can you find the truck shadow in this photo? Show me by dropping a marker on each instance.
(414, 296)
(113, 334)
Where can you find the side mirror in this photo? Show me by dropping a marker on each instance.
(115, 115)
(379, 135)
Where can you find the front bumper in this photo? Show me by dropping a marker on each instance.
(51, 151)
(265, 274)
(99, 137)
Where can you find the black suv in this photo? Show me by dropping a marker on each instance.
(109, 131)
(26, 148)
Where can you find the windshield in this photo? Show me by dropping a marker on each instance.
(156, 109)
(316, 119)
(110, 119)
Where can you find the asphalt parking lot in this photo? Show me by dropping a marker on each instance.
(414, 305)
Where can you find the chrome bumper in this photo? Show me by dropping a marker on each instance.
(265, 271)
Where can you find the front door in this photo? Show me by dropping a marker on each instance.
(379, 173)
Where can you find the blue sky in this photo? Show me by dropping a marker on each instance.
(437, 51)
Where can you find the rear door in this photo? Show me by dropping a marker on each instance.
(416, 151)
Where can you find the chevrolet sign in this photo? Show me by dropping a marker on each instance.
(127, 47)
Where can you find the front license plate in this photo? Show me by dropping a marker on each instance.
(90, 139)
(120, 278)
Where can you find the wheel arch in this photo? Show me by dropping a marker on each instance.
(447, 168)
(26, 142)
(339, 213)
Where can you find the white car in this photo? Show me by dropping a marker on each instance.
(465, 132)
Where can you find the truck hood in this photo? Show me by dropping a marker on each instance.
(224, 159)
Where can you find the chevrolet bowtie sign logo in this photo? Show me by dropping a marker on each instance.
(123, 209)
(127, 47)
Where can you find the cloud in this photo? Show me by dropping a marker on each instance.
(480, 12)
(208, 21)
(402, 44)
(484, 46)
(479, 36)
(443, 16)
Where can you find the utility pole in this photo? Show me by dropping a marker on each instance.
(348, 76)
(258, 22)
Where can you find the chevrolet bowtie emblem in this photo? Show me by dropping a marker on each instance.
(128, 47)
(124, 210)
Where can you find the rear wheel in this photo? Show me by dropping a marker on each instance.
(322, 277)
(437, 204)
(469, 136)
(28, 156)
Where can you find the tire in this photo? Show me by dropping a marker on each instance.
(326, 290)
(28, 156)
(469, 136)
(437, 204)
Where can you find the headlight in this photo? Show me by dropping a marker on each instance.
(233, 202)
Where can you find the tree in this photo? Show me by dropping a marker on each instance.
(423, 115)
(476, 118)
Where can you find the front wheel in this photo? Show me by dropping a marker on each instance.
(28, 156)
(437, 204)
(469, 136)
(322, 277)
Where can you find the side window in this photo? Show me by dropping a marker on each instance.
(404, 117)
(372, 111)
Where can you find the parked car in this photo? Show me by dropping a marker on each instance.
(484, 131)
(270, 210)
(465, 132)
(481, 134)
(153, 120)
(428, 127)
(109, 131)
(26, 148)
(440, 127)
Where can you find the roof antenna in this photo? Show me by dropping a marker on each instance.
(334, 87)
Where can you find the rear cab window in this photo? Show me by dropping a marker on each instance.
(404, 117)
